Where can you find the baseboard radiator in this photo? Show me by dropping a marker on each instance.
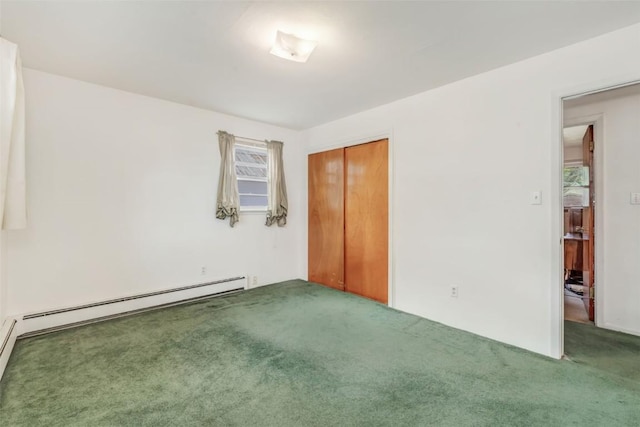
(55, 320)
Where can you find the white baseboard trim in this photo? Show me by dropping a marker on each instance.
(8, 335)
(33, 324)
(39, 323)
(619, 329)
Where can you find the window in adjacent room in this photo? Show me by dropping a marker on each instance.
(576, 186)
(251, 170)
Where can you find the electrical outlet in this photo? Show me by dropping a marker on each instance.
(454, 292)
(203, 271)
(254, 281)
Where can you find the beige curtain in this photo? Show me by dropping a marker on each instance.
(13, 205)
(228, 201)
(278, 203)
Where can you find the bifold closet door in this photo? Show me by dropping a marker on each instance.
(326, 218)
(367, 220)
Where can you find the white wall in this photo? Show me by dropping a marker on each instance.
(3, 278)
(467, 156)
(572, 154)
(618, 278)
(121, 199)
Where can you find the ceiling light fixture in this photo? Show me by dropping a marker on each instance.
(293, 48)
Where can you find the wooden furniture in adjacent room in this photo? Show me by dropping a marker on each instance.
(573, 253)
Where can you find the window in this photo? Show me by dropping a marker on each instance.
(251, 170)
(576, 186)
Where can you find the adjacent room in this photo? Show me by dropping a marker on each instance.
(600, 220)
(319, 213)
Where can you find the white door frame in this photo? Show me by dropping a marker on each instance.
(556, 342)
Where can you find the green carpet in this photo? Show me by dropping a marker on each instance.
(298, 354)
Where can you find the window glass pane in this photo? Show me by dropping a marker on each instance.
(251, 169)
(576, 176)
(252, 187)
(576, 196)
(250, 172)
(260, 201)
(251, 162)
(257, 155)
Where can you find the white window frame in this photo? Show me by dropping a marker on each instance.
(259, 148)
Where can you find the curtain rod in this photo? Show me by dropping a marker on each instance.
(259, 141)
(246, 138)
(251, 139)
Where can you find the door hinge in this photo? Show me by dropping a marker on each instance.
(592, 292)
(591, 146)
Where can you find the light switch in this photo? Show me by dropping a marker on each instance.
(536, 197)
(635, 198)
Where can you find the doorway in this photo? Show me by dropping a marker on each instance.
(578, 200)
(599, 209)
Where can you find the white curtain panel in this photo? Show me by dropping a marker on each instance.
(228, 201)
(278, 203)
(13, 206)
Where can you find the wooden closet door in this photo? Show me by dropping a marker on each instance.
(367, 220)
(326, 218)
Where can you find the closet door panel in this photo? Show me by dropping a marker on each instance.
(326, 218)
(367, 220)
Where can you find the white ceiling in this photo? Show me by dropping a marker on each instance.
(215, 55)
(572, 135)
